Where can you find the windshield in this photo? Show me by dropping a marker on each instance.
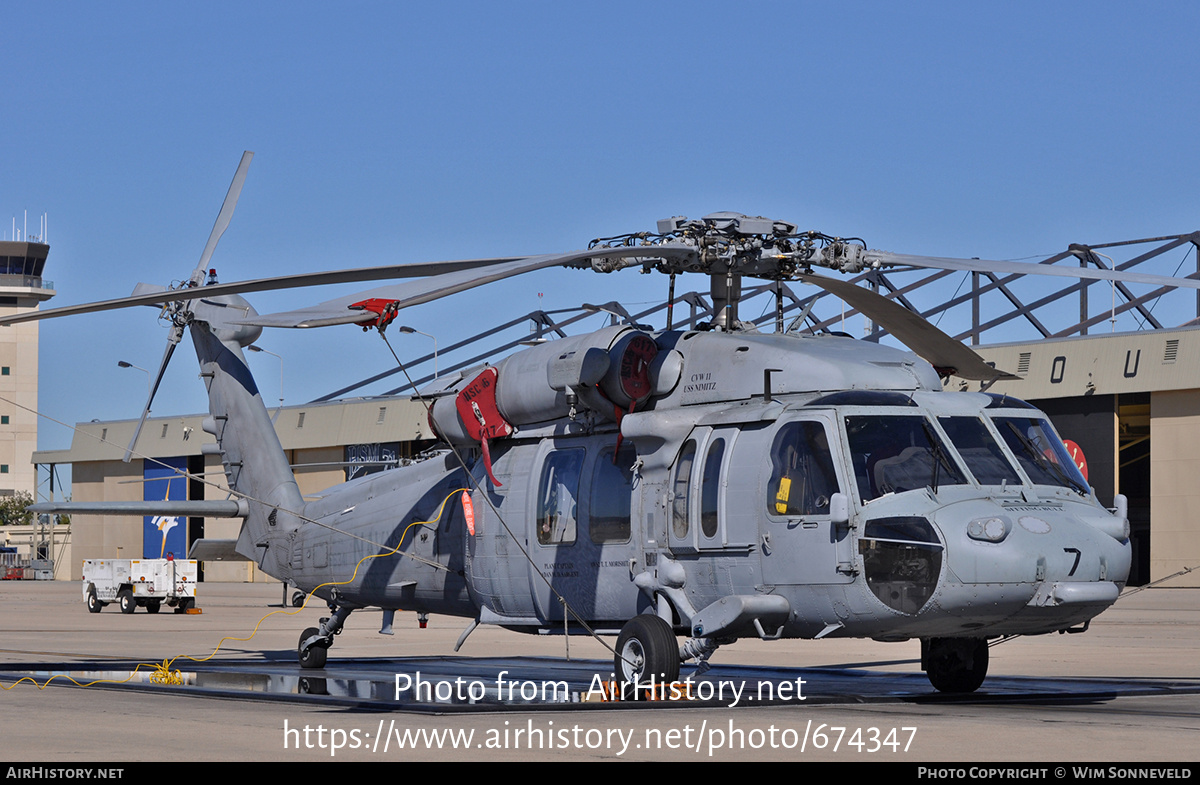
(893, 454)
(979, 450)
(1040, 452)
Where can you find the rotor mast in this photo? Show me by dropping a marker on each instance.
(726, 247)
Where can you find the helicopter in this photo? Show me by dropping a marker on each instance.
(707, 484)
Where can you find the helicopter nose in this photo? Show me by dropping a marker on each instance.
(1032, 570)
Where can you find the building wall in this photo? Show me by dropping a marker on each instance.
(18, 388)
(1175, 494)
(105, 536)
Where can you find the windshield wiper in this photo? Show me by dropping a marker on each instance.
(1043, 462)
(938, 457)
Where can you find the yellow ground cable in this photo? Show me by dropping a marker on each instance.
(162, 671)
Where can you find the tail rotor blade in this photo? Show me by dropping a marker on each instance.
(162, 368)
(223, 217)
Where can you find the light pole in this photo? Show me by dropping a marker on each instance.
(427, 335)
(254, 348)
(123, 364)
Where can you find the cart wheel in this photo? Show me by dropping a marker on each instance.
(93, 602)
(153, 606)
(126, 601)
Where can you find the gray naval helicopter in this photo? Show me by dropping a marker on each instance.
(704, 485)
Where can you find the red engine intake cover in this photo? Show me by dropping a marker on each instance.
(634, 367)
(476, 404)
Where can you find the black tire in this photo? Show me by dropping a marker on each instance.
(646, 648)
(93, 602)
(298, 599)
(314, 656)
(153, 606)
(956, 665)
(126, 601)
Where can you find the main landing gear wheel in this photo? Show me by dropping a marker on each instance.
(93, 602)
(646, 648)
(315, 655)
(126, 601)
(955, 664)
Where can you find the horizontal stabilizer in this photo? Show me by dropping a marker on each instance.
(230, 508)
(215, 550)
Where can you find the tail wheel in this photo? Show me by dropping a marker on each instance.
(126, 601)
(646, 648)
(957, 665)
(315, 655)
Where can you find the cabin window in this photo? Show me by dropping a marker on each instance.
(898, 454)
(979, 449)
(1040, 452)
(610, 494)
(710, 488)
(681, 489)
(803, 479)
(558, 497)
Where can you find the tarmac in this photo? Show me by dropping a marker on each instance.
(1127, 690)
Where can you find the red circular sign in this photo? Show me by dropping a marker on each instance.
(1077, 456)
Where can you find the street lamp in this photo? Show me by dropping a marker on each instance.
(123, 364)
(254, 348)
(427, 335)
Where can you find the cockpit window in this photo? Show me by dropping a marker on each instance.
(802, 475)
(1040, 452)
(979, 450)
(897, 454)
(902, 557)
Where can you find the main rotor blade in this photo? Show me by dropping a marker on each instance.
(172, 342)
(223, 217)
(911, 329)
(416, 270)
(1024, 268)
(337, 311)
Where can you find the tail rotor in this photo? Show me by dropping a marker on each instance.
(180, 312)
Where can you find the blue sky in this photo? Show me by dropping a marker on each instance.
(398, 132)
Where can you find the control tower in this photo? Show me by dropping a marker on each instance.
(22, 288)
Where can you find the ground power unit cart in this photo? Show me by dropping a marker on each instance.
(131, 583)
